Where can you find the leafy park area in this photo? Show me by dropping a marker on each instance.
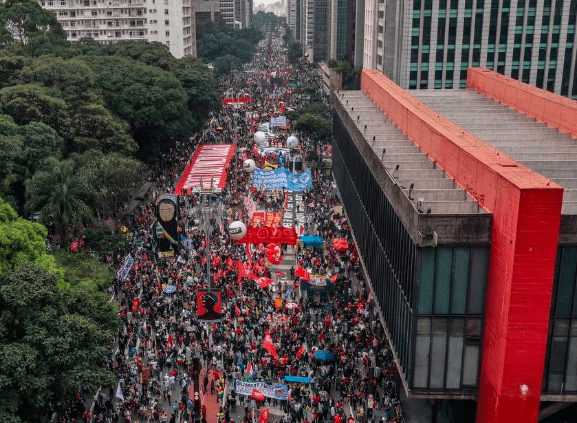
(80, 122)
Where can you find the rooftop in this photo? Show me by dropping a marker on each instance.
(429, 189)
(544, 149)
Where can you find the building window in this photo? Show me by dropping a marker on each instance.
(167, 33)
(167, 22)
(166, 11)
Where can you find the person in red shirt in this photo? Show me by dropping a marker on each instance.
(337, 419)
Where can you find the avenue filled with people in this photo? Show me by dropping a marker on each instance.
(305, 344)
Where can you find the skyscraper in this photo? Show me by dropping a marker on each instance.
(431, 43)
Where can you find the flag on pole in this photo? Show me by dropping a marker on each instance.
(300, 351)
(249, 368)
(264, 415)
(119, 393)
(268, 345)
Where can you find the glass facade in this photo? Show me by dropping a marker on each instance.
(389, 254)
(529, 40)
(560, 376)
(451, 293)
(432, 299)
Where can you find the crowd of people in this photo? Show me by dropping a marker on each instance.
(164, 353)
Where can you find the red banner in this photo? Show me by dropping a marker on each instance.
(209, 305)
(279, 235)
(232, 100)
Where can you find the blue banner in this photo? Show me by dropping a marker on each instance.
(281, 159)
(295, 379)
(278, 121)
(282, 178)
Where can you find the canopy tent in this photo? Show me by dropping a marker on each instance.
(312, 240)
(295, 379)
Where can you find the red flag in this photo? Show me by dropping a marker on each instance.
(236, 310)
(170, 340)
(300, 351)
(264, 415)
(268, 345)
(263, 282)
(249, 368)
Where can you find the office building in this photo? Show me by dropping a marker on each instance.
(463, 204)
(431, 43)
(170, 22)
(206, 10)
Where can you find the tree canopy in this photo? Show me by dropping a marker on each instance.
(22, 241)
(51, 341)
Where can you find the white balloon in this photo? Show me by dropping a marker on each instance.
(249, 165)
(292, 141)
(237, 229)
(259, 137)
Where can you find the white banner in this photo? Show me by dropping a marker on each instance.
(270, 391)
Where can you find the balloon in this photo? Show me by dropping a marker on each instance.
(248, 165)
(259, 137)
(237, 229)
(292, 141)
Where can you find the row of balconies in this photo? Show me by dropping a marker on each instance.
(101, 35)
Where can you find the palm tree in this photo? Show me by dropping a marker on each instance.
(62, 195)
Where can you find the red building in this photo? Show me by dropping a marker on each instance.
(464, 206)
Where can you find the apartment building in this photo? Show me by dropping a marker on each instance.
(108, 21)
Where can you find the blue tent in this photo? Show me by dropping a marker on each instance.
(312, 240)
(293, 379)
(324, 355)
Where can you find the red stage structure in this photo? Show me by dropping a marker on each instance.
(209, 163)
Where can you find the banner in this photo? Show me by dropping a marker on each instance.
(279, 392)
(278, 121)
(266, 218)
(250, 206)
(279, 235)
(122, 273)
(282, 178)
(209, 305)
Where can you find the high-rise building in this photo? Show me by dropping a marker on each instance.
(343, 21)
(172, 22)
(108, 21)
(206, 10)
(431, 43)
(321, 29)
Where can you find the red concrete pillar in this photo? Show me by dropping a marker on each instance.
(522, 265)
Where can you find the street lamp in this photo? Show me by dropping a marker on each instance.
(206, 210)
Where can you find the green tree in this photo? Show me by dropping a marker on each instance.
(295, 52)
(226, 64)
(94, 126)
(150, 53)
(22, 241)
(104, 240)
(62, 195)
(314, 125)
(10, 67)
(24, 22)
(33, 103)
(151, 100)
(117, 177)
(72, 80)
(200, 86)
(51, 342)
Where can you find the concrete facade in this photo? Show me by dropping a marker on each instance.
(110, 21)
(468, 169)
